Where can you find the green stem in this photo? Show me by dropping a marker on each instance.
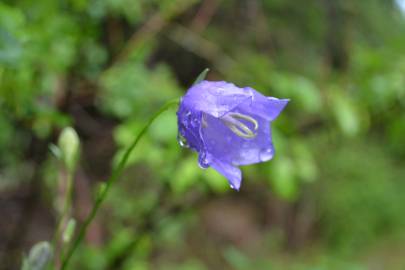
(117, 172)
(67, 211)
(56, 242)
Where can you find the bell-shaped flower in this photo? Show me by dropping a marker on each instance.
(227, 126)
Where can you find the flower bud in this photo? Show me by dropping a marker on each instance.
(69, 230)
(39, 257)
(69, 145)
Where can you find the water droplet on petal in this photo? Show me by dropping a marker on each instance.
(203, 162)
(182, 141)
(265, 154)
(194, 122)
(184, 122)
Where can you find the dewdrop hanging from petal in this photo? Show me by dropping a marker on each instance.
(227, 126)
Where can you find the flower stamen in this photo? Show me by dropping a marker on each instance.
(232, 121)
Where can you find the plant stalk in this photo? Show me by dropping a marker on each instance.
(117, 172)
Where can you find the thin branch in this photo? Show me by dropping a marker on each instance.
(153, 26)
(202, 47)
(204, 15)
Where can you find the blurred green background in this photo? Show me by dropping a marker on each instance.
(332, 197)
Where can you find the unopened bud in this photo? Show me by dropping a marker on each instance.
(39, 257)
(69, 145)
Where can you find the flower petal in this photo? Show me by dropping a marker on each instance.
(216, 98)
(189, 124)
(232, 173)
(222, 143)
(267, 107)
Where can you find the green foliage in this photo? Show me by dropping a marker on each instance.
(358, 204)
(130, 86)
(334, 189)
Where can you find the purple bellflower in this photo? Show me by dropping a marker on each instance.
(227, 126)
